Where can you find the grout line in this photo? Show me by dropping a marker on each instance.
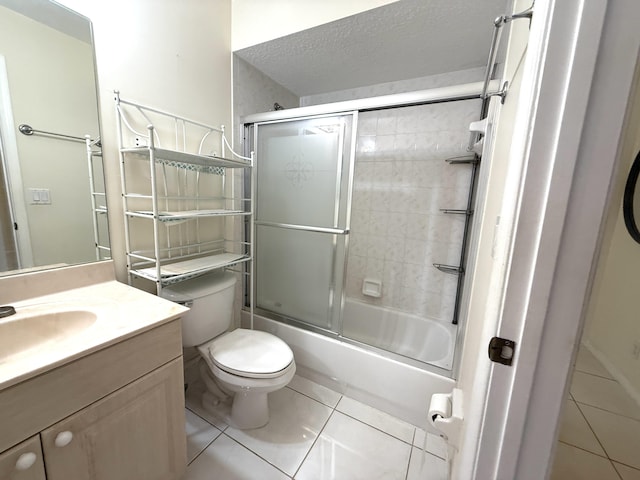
(378, 429)
(626, 465)
(208, 421)
(584, 450)
(616, 470)
(256, 454)
(406, 475)
(202, 451)
(592, 431)
(314, 443)
(608, 411)
(595, 375)
(315, 399)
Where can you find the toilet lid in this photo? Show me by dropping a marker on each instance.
(250, 353)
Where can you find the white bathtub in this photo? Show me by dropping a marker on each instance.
(409, 335)
(394, 387)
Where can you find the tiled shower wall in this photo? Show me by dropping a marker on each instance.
(401, 182)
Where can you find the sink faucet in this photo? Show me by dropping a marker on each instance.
(7, 311)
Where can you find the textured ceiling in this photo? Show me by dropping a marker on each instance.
(403, 40)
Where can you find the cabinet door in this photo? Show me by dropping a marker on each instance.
(23, 462)
(135, 433)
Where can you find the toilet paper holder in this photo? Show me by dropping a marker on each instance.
(446, 415)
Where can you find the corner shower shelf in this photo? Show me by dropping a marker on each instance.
(179, 189)
(451, 269)
(453, 211)
(463, 159)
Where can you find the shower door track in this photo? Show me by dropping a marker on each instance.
(469, 91)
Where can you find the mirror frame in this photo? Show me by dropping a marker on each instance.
(56, 5)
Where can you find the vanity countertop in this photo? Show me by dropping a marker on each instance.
(106, 312)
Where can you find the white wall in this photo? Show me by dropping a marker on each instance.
(52, 85)
(612, 326)
(257, 21)
(401, 86)
(171, 55)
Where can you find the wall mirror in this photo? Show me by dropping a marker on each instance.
(52, 201)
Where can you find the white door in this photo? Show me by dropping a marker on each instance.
(543, 239)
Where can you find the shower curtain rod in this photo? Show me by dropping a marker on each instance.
(466, 91)
(28, 130)
(498, 23)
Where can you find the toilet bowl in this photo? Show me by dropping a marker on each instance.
(242, 365)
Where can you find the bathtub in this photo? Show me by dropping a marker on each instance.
(415, 337)
(392, 386)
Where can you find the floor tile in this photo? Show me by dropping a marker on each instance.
(315, 391)
(620, 436)
(199, 434)
(626, 472)
(296, 421)
(380, 420)
(435, 445)
(226, 459)
(603, 393)
(349, 449)
(586, 362)
(424, 466)
(575, 430)
(193, 401)
(572, 463)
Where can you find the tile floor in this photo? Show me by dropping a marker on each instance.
(314, 433)
(600, 432)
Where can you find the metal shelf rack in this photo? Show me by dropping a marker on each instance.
(179, 201)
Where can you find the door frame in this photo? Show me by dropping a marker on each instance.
(13, 175)
(579, 74)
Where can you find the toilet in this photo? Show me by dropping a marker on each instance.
(242, 365)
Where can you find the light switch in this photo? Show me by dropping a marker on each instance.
(40, 196)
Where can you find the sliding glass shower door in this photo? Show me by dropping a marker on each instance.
(304, 170)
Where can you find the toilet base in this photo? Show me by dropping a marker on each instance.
(246, 412)
(250, 410)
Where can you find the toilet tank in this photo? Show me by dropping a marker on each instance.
(210, 298)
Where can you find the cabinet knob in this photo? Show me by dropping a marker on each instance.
(63, 439)
(25, 461)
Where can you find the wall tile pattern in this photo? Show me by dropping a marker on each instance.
(401, 181)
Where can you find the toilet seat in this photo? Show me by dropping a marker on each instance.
(250, 353)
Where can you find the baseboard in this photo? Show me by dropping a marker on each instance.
(614, 372)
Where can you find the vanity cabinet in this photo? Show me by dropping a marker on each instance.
(115, 414)
(129, 435)
(23, 462)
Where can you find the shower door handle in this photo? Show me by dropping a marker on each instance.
(306, 228)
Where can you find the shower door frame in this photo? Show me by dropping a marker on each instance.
(470, 91)
(251, 132)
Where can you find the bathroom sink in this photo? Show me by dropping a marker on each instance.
(41, 327)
